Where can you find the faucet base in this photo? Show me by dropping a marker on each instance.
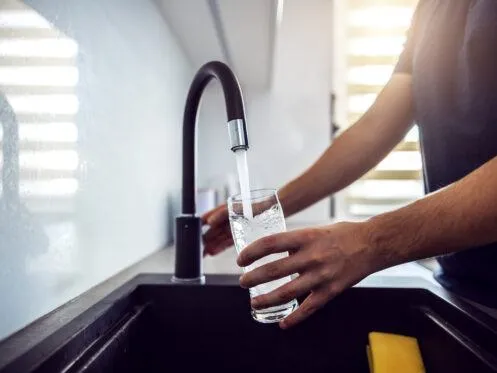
(188, 266)
(188, 281)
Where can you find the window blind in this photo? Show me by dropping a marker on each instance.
(375, 33)
(38, 77)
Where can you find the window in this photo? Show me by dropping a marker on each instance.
(374, 35)
(38, 78)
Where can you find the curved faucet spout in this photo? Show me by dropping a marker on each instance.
(235, 117)
(188, 226)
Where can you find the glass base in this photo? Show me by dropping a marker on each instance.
(274, 314)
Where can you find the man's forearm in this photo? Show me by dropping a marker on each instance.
(455, 218)
(345, 161)
(357, 150)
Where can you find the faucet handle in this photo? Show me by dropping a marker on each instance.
(188, 266)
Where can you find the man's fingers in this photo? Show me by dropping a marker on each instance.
(217, 238)
(271, 271)
(295, 288)
(217, 249)
(276, 243)
(312, 303)
(214, 233)
(208, 214)
(216, 216)
(218, 244)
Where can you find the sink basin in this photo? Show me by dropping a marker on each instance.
(152, 325)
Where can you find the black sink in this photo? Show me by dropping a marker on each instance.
(151, 325)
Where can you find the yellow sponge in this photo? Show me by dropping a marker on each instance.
(392, 353)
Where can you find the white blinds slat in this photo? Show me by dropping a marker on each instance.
(375, 37)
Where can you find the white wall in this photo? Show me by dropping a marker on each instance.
(133, 80)
(289, 125)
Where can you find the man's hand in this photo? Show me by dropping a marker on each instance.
(328, 261)
(218, 237)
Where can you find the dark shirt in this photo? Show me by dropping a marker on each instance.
(451, 53)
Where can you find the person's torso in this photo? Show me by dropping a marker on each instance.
(454, 70)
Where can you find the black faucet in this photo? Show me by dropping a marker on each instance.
(188, 266)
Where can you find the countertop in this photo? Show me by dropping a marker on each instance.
(225, 263)
(162, 262)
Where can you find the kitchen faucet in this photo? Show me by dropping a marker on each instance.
(188, 266)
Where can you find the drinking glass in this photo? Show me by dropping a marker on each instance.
(268, 219)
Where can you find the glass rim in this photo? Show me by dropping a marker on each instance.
(265, 193)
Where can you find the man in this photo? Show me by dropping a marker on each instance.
(446, 82)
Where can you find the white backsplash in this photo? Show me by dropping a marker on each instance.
(99, 114)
